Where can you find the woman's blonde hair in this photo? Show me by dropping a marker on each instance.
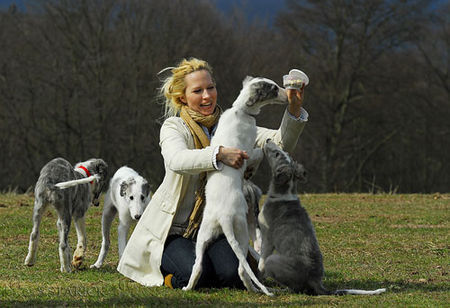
(174, 86)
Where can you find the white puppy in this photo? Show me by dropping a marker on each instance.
(128, 194)
(226, 209)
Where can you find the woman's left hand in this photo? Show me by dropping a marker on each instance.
(295, 98)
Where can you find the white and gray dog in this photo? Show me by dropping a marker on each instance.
(287, 229)
(226, 209)
(128, 195)
(71, 191)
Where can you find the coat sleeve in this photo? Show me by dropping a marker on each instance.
(287, 134)
(178, 150)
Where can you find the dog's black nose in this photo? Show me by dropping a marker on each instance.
(137, 217)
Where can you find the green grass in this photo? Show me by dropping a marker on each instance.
(400, 242)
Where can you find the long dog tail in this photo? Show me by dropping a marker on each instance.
(359, 292)
(64, 185)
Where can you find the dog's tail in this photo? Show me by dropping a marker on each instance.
(359, 292)
(64, 185)
(317, 288)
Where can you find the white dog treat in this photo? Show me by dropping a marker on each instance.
(295, 79)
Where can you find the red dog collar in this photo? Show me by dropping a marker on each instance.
(88, 174)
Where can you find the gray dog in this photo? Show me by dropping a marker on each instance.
(71, 191)
(287, 229)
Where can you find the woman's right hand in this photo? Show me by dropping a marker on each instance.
(231, 156)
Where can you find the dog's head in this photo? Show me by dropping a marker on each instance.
(285, 171)
(98, 167)
(136, 192)
(257, 92)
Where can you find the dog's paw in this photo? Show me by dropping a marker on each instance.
(186, 289)
(78, 257)
(29, 261)
(95, 265)
(77, 261)
(66, 269)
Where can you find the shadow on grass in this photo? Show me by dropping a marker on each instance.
(224, 298)
(154, 301)
(127, 295)
(106, 268)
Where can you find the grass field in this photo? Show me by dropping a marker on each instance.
(400, 242)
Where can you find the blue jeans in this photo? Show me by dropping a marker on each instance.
(220, 264)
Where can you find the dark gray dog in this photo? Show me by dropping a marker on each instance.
(71, 191)
(287, 229)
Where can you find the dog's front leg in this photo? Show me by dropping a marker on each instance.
(109, 212)
(255, 157)
(78, 255)
(122, 234)
(267, 246)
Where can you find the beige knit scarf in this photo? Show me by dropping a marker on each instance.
(193, 119)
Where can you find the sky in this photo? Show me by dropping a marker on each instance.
(263, 9)
(5, 3)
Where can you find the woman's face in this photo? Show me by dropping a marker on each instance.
(200, 94)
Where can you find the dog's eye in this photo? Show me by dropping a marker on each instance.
(131, 197)
(277, 154)
(142, 198)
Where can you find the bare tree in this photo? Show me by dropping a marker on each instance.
(344, 43)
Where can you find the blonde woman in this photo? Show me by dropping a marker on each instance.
(161, 249)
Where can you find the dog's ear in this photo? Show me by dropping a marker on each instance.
(123, 188)
(146, 189)
(246, 80)
(101, 168)
(300, 173)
